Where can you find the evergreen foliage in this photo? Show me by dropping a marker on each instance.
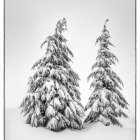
(53, 99)
(106, 102)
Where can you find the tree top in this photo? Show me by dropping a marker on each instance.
(61, 26)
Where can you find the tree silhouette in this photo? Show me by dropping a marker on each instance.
(53, 99)
(106, 102)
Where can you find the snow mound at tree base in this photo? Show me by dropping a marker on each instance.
(16, 129)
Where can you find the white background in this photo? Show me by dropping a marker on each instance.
(28, 23)
(117, 48)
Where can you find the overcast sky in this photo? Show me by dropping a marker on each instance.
(29, 22)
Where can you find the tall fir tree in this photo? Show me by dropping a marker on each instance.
(53, 99)
(106, 102)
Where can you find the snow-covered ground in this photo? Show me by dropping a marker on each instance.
(16, 129)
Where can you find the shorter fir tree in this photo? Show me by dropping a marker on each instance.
(106, 102)
(53, 99)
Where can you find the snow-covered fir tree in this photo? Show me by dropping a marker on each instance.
(106, 102)
(53, 99)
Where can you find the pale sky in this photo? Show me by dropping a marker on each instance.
(29, 22)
